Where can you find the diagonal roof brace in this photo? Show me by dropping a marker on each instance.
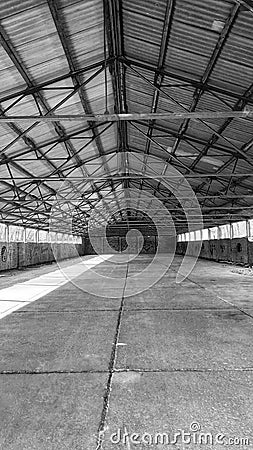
(247, 3)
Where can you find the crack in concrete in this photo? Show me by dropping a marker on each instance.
(177, 370)
(217, 296)
(111, 369)
(180, 309)
(222, 299)
(48, 372)
(125, 370)
(72, 311)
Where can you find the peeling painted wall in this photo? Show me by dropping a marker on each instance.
(15, 255)
(119, 244)
(238, 250)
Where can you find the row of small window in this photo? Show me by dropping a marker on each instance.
(14, 233)
(244, 228)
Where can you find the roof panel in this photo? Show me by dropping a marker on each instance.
(142, 7)
(186, 62)
(29, 25)
(13, 7)
(196, 28)
(140, 50)
(202, 14)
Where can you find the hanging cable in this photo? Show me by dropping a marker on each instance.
(105, 60)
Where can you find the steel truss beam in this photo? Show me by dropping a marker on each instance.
(113, 33)
(138, 177)
(46, 85)
(245, 148)
(244, 114)
(208, 71)
(217, 135)
(190, 140)
(158, 79)
(117, 63)
(214, 138)
(59, 23)
(186, 79)
(247, 3)
(39, 100)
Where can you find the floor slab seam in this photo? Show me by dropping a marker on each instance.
(101, 427)
(217, 296)
(49, 372)
(224, 300)
(178, 370)
(66, 311)
(180, 309)
(43, 290)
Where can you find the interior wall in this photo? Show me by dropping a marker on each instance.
(238, 250)
(15, 255)
(119, 243)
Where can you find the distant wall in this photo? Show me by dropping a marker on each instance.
(15, 255)
(119, 243)
(238, 250)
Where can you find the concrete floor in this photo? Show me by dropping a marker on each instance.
(80, 371)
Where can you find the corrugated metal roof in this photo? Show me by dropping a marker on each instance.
(175, 60)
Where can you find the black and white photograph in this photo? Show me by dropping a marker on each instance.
(126, 224)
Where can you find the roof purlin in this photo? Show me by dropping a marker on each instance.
(210, 66)
(58, 20)
(159, 77)
(57, 126)
(113, 31)
(184, 78)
